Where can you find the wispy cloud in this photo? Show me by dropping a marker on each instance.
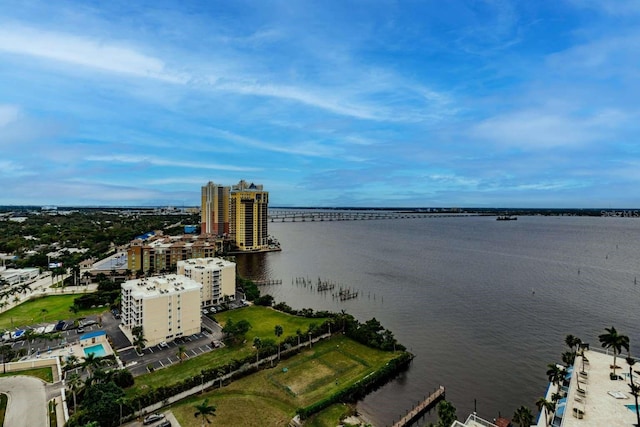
(97, 54)
(155, 161)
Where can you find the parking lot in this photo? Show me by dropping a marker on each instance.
(156, 357)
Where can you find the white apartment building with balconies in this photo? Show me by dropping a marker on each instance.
(165, 306)
(217, 276)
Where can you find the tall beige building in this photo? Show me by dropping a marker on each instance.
(165, 306)
(216, 275)
(214, 216)
(248, 216)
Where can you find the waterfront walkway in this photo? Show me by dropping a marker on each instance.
(421, 408)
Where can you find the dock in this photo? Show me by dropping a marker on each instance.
(421, 408)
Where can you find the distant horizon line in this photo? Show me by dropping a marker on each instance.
(510, 208)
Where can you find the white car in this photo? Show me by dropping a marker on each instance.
(149, 419)
(163, 344)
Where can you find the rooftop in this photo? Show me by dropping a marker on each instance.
(160, 285)
(207, 262)
(594, 399)
(473, 421)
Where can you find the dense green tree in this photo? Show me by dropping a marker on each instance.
(235, 331)
(7, 354)
(100, 403)
(446, 414)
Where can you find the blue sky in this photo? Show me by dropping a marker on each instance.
(325, 103)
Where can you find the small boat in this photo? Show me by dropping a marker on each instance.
(506, 218)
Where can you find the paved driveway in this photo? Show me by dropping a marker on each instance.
(27, 405)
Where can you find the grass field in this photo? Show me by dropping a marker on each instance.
(30, 312)
(42, 373)
(271, 396)
(330, 417)
(263, 321)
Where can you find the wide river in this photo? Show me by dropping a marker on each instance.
(484, 305)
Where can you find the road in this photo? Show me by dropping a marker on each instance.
(27, 405)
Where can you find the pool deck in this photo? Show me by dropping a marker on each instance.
(604, 401)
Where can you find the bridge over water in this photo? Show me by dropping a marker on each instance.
(302, 215)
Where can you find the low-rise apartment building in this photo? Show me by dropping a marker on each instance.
(161, 253)
(217, 276)
(165, 307)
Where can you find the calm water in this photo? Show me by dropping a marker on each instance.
(483, 304)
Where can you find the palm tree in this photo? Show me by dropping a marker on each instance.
(635, 388)
(278, 330)
(549, 407)
(138, 338)
(204, 410)
(556, 374)
(74, 382)
(523, 416)
(257, 343)
(91, 363)
(120, 401)
(71, 360)
(299, 334)
(572, 342)
(43, 311)
(615, 341)
(181, 352)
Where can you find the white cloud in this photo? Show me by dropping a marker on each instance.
(93, 53)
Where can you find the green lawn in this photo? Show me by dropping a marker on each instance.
(271, 396)
(30, 312)
(42, 373)
(330, 417)
(263, 321)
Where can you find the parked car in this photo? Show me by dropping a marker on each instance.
(80, 330)
(163, 344)
(150, 419)
(165, 423)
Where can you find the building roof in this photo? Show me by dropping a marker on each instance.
(593, 399)
(214, 263)
(92, 334)
(160, 285)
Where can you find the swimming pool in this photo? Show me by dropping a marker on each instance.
(631, 407)
(97, 350)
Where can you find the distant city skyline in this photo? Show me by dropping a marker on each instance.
(332, 103)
